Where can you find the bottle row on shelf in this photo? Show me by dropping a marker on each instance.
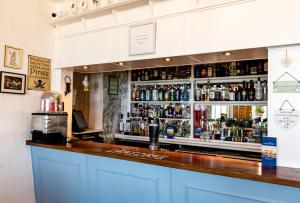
(247, 91)
(139, 126)
(235, 68)
(225, 69)
(228, 129)
(161, 93)
(165, 73)
(172, 110)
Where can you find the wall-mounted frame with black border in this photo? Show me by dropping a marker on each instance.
(113, 85)
(12, 57)
(12, 83)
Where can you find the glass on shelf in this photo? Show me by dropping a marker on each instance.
(230, 123)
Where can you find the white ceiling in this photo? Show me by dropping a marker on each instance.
(244, 54)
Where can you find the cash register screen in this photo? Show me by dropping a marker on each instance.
(78, 123)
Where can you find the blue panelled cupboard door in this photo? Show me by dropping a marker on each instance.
(197, 187)
(59, 176)
(120, 181)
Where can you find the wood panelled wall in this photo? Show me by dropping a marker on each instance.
(81, 99)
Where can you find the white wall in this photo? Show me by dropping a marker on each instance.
(183, 27)
(288, 140)
(24, 25)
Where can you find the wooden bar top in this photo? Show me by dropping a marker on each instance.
(243, 169)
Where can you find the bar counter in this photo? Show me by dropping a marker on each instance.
(242, 169)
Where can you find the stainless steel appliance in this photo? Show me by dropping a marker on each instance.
(49, 126)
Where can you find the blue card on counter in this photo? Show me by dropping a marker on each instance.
(269, 151)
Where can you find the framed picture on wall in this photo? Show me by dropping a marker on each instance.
(13, 57)
(12, 83)
(113, 85)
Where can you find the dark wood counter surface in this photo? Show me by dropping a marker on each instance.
(236, 168)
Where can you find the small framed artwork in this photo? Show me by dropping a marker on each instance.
(13, 57)
(113, 85)
(12, 83)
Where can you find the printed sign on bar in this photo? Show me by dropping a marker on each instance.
(39, 73)
(286, 87)
(269, 151)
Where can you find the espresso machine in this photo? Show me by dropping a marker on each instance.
(49, 125)
(154, 134)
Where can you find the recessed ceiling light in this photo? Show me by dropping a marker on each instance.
(85, 67)
(227, 53)
(121, 63)
(167, 59)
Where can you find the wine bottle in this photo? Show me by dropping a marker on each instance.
(161, 94)
(258, 91)
(251, 91)
(244, 92)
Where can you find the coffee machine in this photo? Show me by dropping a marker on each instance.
(49, 125)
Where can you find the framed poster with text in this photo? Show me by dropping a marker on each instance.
(39, 73)
(142, 39)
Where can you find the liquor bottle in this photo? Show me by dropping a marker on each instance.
(161, 93)
(260, 68)
(218, 70)
(177, 111)
(155, 74)
(148, 93)
(251, 91)
(223, 93)
(133, 75)
(161, 112)
(163, 75)
(188, 73)
(143, 75)
(197, 121)
(138, 76)
(217, 93)
(121, 124)
(258, 91)
(247, 68)
(186, 93)
(166, 95)
(227, 93)
(209, 71)
(253, 69)
(198, 92)
(170, 130)
(203, 72)
(231, 94)
(178, 93)
(143, 94)
(146, 77)
(232, 69)
(155, 94)
(203, 93)
(207, 91)
(137, 93)
(127, 127)
(238, 94)
(172, 94)
(265, 91)
(197, 71)
(169, 74)
(239, 70)
(150, 73)
(244, 92)
(212, 93)
(225, 70)
(133, 94)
